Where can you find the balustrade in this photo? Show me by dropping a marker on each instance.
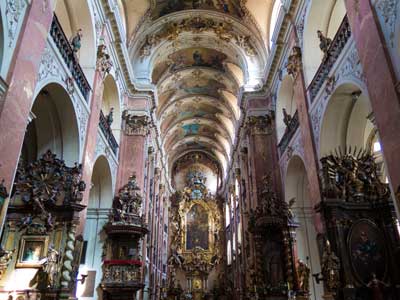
(335, 49)
(290, 130)
(69, 57)
(106, 129)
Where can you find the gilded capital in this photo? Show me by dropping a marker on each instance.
(135, 124)
(261, 124)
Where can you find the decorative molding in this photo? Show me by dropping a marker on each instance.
(14, 13)
(352, 66)
(300, 27)
(49, 67)
(387, 10)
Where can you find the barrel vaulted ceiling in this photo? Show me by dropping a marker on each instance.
(197, 56)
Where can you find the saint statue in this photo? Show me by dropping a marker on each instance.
(51, 266)
(76, 41)
(330, 269)
(110, 117)
(303, 274)
(325, 43)
(377, 288)
(287, 119)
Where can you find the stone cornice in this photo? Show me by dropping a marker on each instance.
(276, 55)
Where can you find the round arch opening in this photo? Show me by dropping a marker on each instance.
(101, 194)
(53, 126)
(297, 190)
(346, 121)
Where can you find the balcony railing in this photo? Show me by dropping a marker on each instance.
(69, 57)
(290, 130)
(105, 128)
(334, 50)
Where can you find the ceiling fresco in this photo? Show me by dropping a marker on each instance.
(165, 7)
(190, 57)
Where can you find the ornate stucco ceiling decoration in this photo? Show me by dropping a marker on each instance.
(156, 42)
(198, 56)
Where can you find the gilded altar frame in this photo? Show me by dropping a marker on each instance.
(214, 220)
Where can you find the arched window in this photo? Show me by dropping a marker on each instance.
(274, 18)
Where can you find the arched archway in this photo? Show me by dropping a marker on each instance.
(326, 16)
(100, 203)
(297, 188)
(74, 15)
(53, 126)
(111, 100)
(285, 100)
(347, 120)
(101, 185)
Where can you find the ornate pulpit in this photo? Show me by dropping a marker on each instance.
(122, 266)
(361, 226)
(273, 230)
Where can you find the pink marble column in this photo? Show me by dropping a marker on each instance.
(263, 152)
(90, 143)
(132, 148)
(381, 83)
(22, 78)
(307, 137)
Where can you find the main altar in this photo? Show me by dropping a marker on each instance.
(195, 243)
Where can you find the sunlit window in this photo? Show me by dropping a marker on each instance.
(274, 18)
(377, 147)
(229, 253)
(227, 215)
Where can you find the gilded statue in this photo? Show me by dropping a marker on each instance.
(5, 258)
(303, 275)
(330, 269)
(51, 266)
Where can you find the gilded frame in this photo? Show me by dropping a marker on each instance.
(31, 257)
(214, 220)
